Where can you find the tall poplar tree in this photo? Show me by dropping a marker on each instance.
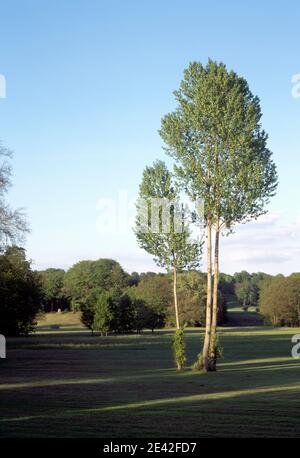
(221, 154)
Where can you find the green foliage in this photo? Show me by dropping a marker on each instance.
(216, 349)
(199, 363)
(103, 313)
(141, 314)
(85, 276)
(280, 301)
(155, 290)
(134, 279)
(52, 285)
(215, 353)
(179, 349)
(221, 154)
(88, 315)
(88, 307)
(226, 284)
(99, 311)
(156, 293)
(169, 248)
(113, 312)
(141, 307)
(192, 295)
(122, 314)
(247, 287)
(20, 293)
(146, 317)
(219, 146)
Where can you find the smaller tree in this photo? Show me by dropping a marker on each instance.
(102, 314)
(122, 320)
(179, 349)
(20, 293)
(85, 276)
(156, 292)
(88, 308)
(141, 314)
(162, 227)
(247, 288)
(87, 316)
(146, 316)
(155, 319)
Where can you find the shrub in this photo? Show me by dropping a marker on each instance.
(198, 365)
(179, 349)
(216, 352)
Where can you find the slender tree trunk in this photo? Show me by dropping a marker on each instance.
(205, 352)
(178, 344)
(213, 340)
(175, 297)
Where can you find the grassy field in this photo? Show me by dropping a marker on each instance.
(239, 317)
(65, 321)
(69, 384)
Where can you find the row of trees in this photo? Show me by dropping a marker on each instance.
(143, 300)
(131, 303)
(245, 287)
(63, 291)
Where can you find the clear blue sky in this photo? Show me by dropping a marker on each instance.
(87, 84)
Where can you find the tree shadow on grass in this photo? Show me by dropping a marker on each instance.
(112, 393)
(235, 413)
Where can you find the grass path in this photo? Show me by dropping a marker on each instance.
(239, 317)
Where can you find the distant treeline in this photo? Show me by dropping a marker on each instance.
(111, 300)
(277, 298)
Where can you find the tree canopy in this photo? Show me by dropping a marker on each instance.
(85, 276)
(222, 158)
(280, 301)
(52, 286)
(20, 293)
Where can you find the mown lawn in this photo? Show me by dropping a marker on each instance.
(69, 384)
